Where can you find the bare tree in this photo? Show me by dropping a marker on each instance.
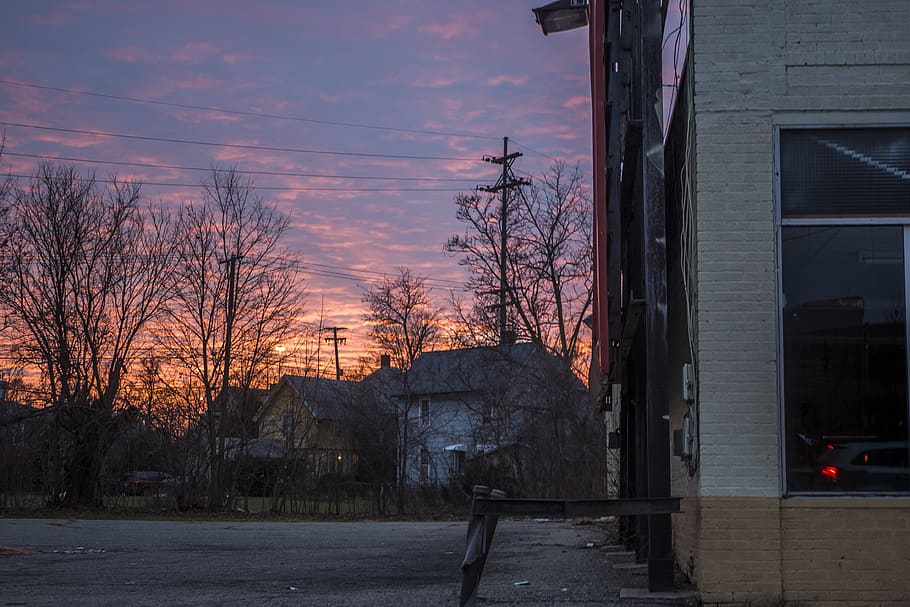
(549, 261)
(86, 267)
(237, 296)
(403, 324)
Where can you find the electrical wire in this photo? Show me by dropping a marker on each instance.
(381, 274)
(258, 187)
(321, 269)
(245, 112)
(533, 151)
(239, 146)
(149, 165)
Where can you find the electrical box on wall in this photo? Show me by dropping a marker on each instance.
(684, 439)
(688, 382)
(688, 437)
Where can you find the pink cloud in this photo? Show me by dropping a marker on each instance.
(577, 101)
(22, 103)
(504, 79)
(236, 58)
(446, 31)
(70, 141)
(341, 96)
(7, 58)
(55, 19)
(434, 82)
(194, 52)
(131, 54)
(202, 116)
(198, 83)
(382, 28)
(162, 87)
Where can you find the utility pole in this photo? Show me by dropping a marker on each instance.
(230, 311)
(336, 340)
(507, 182)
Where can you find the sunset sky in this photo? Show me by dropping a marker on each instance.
(436, 79)
(411, 94)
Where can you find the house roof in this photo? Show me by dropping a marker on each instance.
(13, 411)
(325, 398)
(235, 397)
(384, 380)
(475, 369)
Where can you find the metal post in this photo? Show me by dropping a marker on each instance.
(660, 559)
(477, 546)
(490, 504)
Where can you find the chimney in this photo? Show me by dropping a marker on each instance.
(385, 361)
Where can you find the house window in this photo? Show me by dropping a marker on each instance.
(287, 423)
(425, 412)
(489, 413)
(844, 258)
(424, 465)
(456, 462)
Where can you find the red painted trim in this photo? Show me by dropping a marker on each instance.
(600, 354)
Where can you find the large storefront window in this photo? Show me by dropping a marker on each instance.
(844, 310)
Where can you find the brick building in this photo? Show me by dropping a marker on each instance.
(786, 218)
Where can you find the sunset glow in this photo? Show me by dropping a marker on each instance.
(362, 120)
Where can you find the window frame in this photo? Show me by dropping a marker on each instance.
(424, 465)
(786, 124)
(424, 412)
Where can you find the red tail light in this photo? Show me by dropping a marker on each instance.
(830, 472)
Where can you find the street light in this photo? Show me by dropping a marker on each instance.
(562, 15)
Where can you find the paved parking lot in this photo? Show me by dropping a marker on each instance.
(83, 562)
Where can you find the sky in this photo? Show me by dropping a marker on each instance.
(399, 91)
(376, 114)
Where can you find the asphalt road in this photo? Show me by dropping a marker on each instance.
(84, 562)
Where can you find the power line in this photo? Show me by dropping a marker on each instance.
(239, 146)
(325, 271)
(431, 283)
(533, 151)
(258, 187)
(149, 165)
(244, 113)
(375, 272)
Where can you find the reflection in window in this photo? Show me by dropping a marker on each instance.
(845, 358)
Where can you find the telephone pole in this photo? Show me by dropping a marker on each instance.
(336, 340)
(507, 182)
(229, 313)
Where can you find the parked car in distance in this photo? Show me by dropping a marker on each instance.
(864, 466)
(147, 482)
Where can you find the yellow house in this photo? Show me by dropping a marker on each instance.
(307, 416)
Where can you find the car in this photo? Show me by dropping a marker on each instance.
(146, 482)
(864, 466)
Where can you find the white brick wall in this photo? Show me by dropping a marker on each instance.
(755, 62)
